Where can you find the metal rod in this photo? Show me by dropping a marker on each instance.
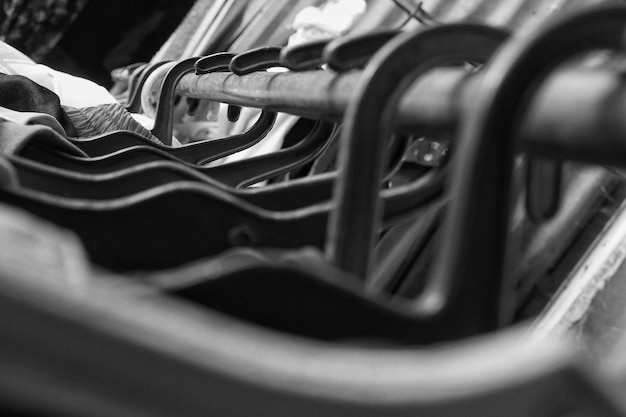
(577, 114)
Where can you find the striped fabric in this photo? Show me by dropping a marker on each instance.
(105, 118)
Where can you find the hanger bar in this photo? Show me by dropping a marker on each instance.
(318, 94)
(577, 115)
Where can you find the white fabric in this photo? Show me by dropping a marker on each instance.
(72, 91)
(272, 143)
(332, 19)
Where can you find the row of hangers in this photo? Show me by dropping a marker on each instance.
(138, 205)
(128, 184)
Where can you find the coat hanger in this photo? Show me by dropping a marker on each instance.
(256, 59)
(201, 152)
(134, 71)
(250, 171)
(125, 80)
(164, 119)
(134, 88)
(303, 57)
(354, 51)
(197, 152)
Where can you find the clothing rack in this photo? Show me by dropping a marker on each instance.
(589, 102)
(137, 279)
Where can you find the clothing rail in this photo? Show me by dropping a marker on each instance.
(577, 115)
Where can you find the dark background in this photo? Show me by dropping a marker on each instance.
(114, 33)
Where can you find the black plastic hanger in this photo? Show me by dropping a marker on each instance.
(253, 170)
(198, 152)
(119, 142)
(63, 183)
(164, 119)
(354, 51)
(134, 93)
(303, 57)
(257, 59)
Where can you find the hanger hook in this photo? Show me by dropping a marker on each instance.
(257, 59)
(164, 119)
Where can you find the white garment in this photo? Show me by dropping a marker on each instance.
(330, 20)
(272, 143)
(72, 91)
